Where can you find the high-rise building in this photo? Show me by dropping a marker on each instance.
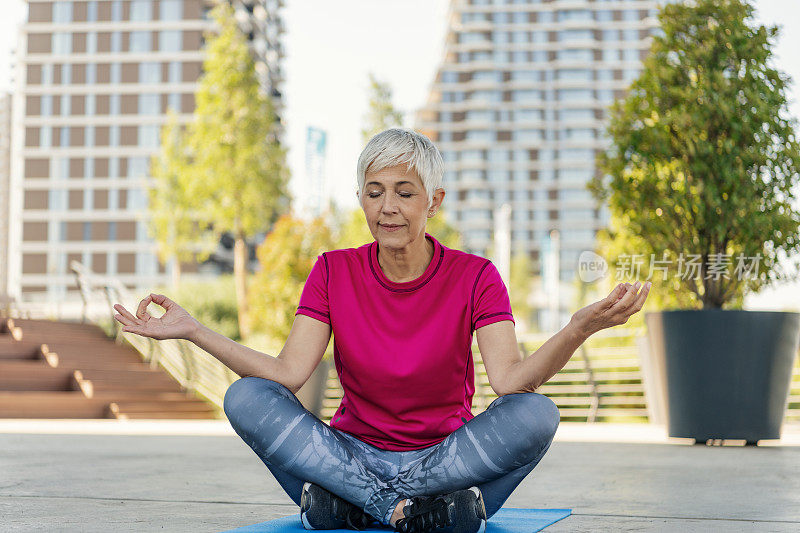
(518, 107)
(5, 167)
(96, 78)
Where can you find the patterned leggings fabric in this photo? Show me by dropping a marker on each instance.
(494, 451)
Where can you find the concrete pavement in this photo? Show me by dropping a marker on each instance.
(90, 476)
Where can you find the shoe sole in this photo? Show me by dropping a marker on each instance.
(482, 510)
(305, 505)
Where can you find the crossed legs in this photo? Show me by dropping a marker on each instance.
(494, 451)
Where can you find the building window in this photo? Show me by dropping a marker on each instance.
(174, 102)
(526, 75)
(576, 154)
(630, 15)
(574, 75)
(140, 41)
(630, 74)
(57, 201)
(64, 138)
(137, 199)
(578, 134)
(116, 41)
(604, 15)
(47, 105)
(528, 95)
(113, 104)
(62, 43)
(579, 54)
(45, 137)
(527, 135)
(89, 140)
(87, 231)
(66, 74)
(630, 54)
(574, 14)
(47, 74)
(497, 176)
(610, 54)
(89, 161)
(113, 167)
(480, 135)
(91, 42)
(141, 10)
(61, 167)
(91, 11)
(112, 229)
(149, 72)
(174, 72)
(171, 10)
(62, 12)
(169, 41)
(574, 95)
(116, 10)
(137, 167)
(576, 35)
(113, 135)
(148, 135)
(149, 104)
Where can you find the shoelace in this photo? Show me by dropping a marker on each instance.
(425, 514)
(354, 517)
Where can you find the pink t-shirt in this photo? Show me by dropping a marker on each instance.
(403, 350)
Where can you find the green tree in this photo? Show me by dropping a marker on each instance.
(174, 222)
(238, 169)
(704, 156)
(381, 114)
(520, 286)
(286, 257)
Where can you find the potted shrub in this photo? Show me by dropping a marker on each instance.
(699, 179)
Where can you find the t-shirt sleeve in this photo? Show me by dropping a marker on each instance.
(314, 298)
(490, 301)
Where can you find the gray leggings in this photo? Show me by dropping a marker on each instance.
(494, 451)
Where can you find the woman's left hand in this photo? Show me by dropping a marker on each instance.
(613, 310)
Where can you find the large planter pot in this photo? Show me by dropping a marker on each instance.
(725, 373)
(312, 392)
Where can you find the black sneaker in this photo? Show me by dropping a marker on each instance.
(461, 511)
(320, 509)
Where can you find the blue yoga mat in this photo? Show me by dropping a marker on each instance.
(506, 520)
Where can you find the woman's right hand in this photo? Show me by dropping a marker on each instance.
(176, 323)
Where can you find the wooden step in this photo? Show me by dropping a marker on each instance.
(39, 404)
(137, 375)
(55, 326)
(90, 387)
(168, 415)
(17, 376)
(141, 396)
(143, 406)
(73, 404)
(20, 350)
(63, 370)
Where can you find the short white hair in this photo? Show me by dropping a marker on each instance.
(400, 146)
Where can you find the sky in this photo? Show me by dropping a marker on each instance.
(331, 47)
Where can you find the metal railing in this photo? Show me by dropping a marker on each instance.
(196, 370)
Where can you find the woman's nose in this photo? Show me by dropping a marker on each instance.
(389, 205)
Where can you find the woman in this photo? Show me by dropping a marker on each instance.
(403, 448)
